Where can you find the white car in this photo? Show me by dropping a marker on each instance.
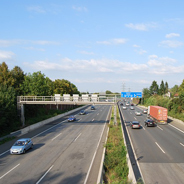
(124, 107)
(131, 108)
(138, 113)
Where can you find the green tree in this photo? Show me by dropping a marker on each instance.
(64, 87)
(166, 87)
(154, 88)
(108, 92)
(8, 113)
(5, 75)
(162, 88)
(36, 84)
(146, 93)
(18, 79)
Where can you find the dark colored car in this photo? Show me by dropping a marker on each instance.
(149, 122)
(135, 124)
(71, 118)
(21, 146)
(82, 112)
(92, 107)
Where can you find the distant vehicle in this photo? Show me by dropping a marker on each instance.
(137, 113)
(71, 118)
(149, 122)
(132, 104)
(92, 107)
(158, 114)
(124, 107)
(135, 124)
(82, 112)
(145, 111)
(131, 108)
(127, 104)
(21, 146)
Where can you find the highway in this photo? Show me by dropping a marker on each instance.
(159, 150)
(64, 152)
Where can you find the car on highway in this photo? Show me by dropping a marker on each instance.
(127, 104)
(131, 108)
(135, 124)
(138, 113)
(145, 111)
(71, 118)
(92, 107)
(124, 107)
(21, 146)
(82, 112)
(149, 122)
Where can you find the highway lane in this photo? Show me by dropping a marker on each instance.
(159, 150)
(63, 154)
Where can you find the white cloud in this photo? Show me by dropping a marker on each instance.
(36, 9)
(79, 8)
(171, 35)
(137, 46)
(86, 53)
(171, 43)
(142, 26)
(33, 48)
(7, 43)
(115, 41)
(6, 54)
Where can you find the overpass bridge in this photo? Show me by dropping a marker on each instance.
(67, 99)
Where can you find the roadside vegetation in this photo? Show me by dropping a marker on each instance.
(115, 163)
(172, 99)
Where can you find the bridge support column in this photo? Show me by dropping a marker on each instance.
(22, 114)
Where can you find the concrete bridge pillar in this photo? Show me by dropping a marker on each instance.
(22, 114)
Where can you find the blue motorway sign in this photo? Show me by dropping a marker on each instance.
(131, 94)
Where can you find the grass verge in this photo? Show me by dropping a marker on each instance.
(115, 163)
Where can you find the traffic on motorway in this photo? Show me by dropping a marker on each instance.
(63, 152)
(158, 146)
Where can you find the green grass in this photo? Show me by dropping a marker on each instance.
(6, 140)
(115, 164)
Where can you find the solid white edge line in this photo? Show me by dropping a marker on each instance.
(9, 171)
(77, 137)
(44, 175)
(38, 134)
(4, 152)
(103, 156)
(56, 136)
(182, 144)
(94, 156)
(47, 130)
(177, 128)
(143, 128)
(131, 172)
(159, 147)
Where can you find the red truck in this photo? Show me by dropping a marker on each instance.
(157, 113)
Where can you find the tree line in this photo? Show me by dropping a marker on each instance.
(170, 98)
(15, 83)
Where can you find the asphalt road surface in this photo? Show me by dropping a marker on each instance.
(159, 150)
(64, 152)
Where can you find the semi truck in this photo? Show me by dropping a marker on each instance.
(158, 114)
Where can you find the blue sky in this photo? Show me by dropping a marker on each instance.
(97, 45)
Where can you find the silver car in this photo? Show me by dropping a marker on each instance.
(21, 146)
(138, 113)
(135, 124)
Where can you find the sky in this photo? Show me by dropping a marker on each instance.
(98, 45)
